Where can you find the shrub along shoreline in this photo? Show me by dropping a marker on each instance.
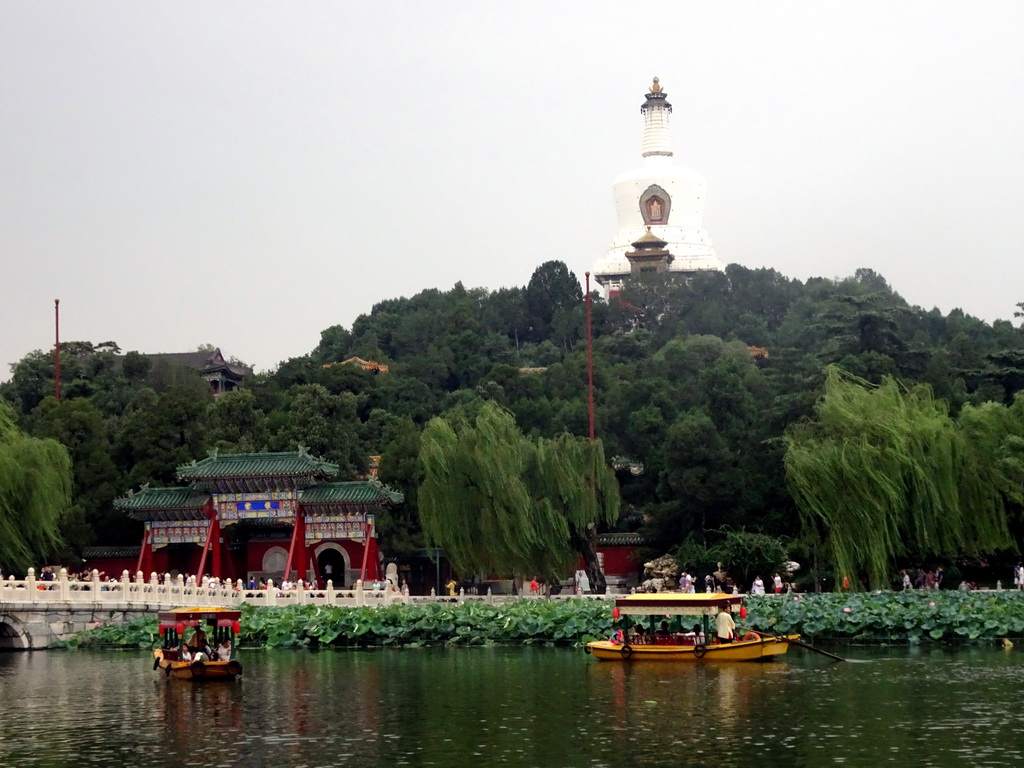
(871, 618)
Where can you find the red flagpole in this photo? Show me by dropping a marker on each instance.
(56, 346)
(590, 365)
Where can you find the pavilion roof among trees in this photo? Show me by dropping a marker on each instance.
(164, 504)
(249, 472)
(292, 471)
(352, 492)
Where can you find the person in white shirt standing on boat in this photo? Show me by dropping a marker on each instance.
(725, 627)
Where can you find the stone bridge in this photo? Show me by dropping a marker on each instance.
(34, 613)
(31, 626)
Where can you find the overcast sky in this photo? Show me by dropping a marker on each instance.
(249, 173)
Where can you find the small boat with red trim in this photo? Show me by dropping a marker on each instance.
(684, 642)
(206, 654)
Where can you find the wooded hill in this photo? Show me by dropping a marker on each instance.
(696, 382)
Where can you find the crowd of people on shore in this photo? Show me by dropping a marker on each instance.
(922, 580)
(778, 585)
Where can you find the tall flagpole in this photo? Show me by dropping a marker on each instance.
(590, 366)
(56, 346)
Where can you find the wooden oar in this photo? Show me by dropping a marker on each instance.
(809, 647)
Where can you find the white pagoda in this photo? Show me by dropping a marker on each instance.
(657, 200)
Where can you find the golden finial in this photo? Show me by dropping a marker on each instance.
(655, 88)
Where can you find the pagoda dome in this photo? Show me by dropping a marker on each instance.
(661, 195)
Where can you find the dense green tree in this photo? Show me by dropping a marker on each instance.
(553, 295)
(35, 494)
(883, 472)
(500, 503)
(237, 424)
(79, 426)
(326, 425)
(159, 433)
(399, 528)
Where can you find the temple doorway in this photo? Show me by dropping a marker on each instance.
(333, 566)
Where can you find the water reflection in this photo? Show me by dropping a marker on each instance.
(515, 707)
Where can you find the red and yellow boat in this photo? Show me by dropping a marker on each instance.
(200, 657)
(700, 644)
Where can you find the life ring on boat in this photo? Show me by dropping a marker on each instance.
(198, 669)
(750, 636)
(626, 651)
(234, 667)
(699, 651)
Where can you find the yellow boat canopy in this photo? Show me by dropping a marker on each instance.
(676, 604)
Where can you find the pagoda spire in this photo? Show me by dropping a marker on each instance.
(657, 134)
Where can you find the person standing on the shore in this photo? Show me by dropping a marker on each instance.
(758, 586)
(906, 581)
(1018, 576)
(777, 583)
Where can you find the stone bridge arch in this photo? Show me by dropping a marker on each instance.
(13, 636)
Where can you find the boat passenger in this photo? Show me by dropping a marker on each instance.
(640, 634)
(662, 631)
(200, 643)
(185, 654)
(698, 634)
(224, 651)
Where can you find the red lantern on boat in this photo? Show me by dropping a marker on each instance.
(163, 629)
(236, 627)
(180, 628)
(743, 611)
(616, 614)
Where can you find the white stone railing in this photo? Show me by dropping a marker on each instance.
(172, 592)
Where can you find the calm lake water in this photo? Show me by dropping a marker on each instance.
(516, 707)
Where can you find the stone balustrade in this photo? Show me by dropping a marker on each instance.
(172, 592)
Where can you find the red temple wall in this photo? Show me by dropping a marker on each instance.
(618, 561)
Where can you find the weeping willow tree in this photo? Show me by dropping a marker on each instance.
(498, 502)
(569, 477)
(884, 472)
(35, 493)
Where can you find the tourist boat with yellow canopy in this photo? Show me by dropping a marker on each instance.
(206, 653)
(669, 638)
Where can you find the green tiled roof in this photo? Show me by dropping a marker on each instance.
(620, 539)
(163, 498)
(164, 504)
(354, 492)
(255, 465)
(95, 553)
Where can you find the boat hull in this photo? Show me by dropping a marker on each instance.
(197, 671)
(762, 649)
